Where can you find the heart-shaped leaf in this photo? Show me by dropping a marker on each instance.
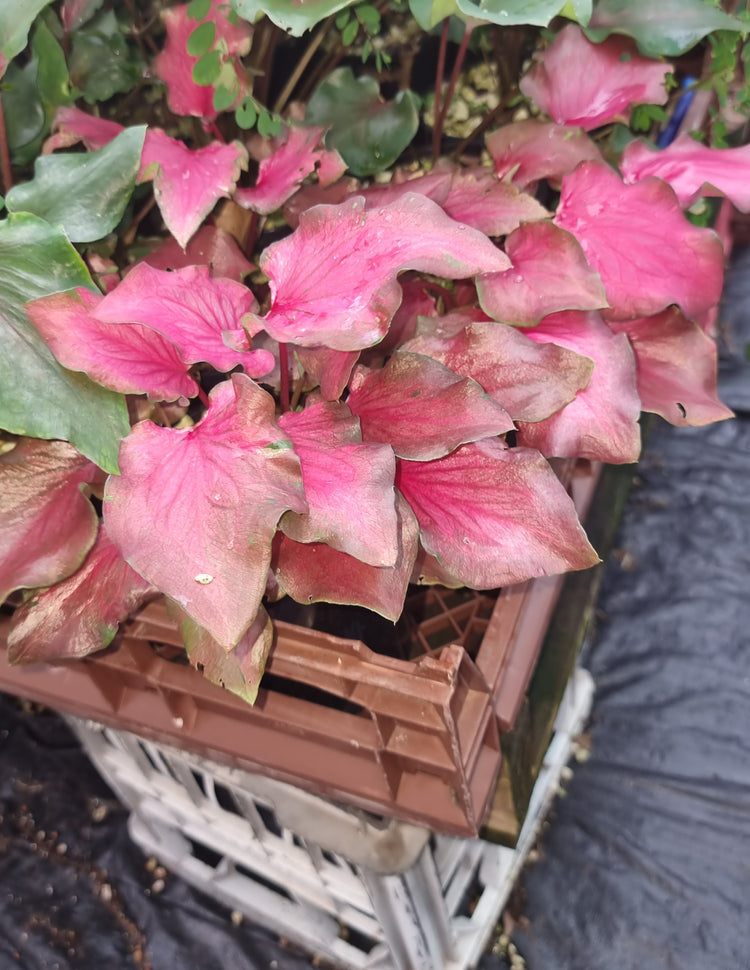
(295, 16)
(422, 409)
(201, 315)
(314, 572)
(195, 510)
(128, 358)
(297, 152)
(528, 151)
(348, 485)
(36, 259)
(509, 13)
(676, 364)
(494, 515)
(189, 182)
(638, 240)
(692, 169)
(85, 194)
(576, 82)
(333, 281)
(82, 613)
(368, 132)
(529, 381)
(549, 273)
(602, 422)
(669, 27)
(47, 525)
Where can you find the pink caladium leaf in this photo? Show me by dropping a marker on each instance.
(210, 246)
(195, 510)
(639, 241)
(331, 369)
(47, 525)
(676, 364)
(175, 66)
(71, 125)
(334, 280)
(188, 182)
(528, 151)
(296, 153)
(602, 422)
(128, 358)
(496, 208)
(421, 408)
(549, 273)
(494, 515)
(314, 572)
(238, 670)
(348, 485)
(577, 82)
(473, 196)
(692, 169)
(82, 613)
(201, 315)
(530, 381)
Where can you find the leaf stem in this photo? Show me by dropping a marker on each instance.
(284, 369)
(5, 153)
(437, 104)
(299, 70)
(437, 132)
(213, 129)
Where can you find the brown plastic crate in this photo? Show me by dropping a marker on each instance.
(414, 739)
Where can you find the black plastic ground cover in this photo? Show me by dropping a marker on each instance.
(645, 863)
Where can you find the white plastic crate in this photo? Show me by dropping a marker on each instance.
(362, 892)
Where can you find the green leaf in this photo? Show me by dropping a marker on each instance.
(40, 398)
(207, 69)
(52, 75)
(291, 15)
(85, 193)
(268, 124)
(201, 40)
(198, 9)
(512, 12)
(369, 133)
(246, 114)
(342, 19)
(429, 13)
(349, 33)
(224, 98)
(369, 17)
(102, 63)
(16, 18)
(668, 27)
(24, 113)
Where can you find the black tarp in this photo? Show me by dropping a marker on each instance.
(646, 862)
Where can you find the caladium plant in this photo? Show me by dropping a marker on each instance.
(328, 387)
